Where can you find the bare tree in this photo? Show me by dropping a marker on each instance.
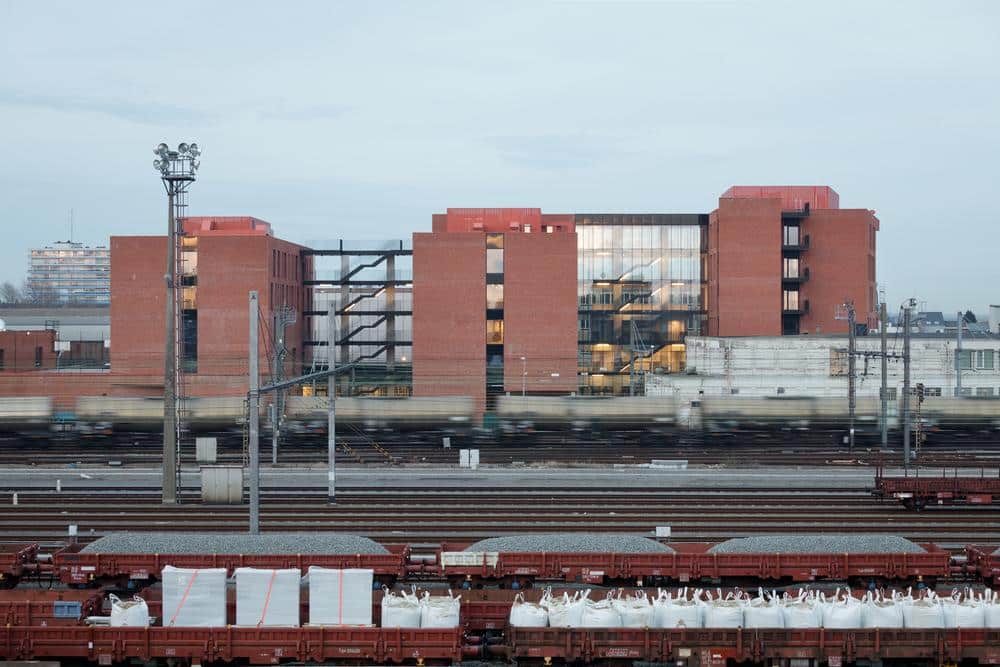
(10, 294)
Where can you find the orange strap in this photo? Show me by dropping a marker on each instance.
(180, 605)
(340, 599)
(267, 598)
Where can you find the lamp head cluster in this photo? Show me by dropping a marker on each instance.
(181, 163)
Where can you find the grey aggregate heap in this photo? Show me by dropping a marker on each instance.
(814, 544)
(571, 543)
(234, 543)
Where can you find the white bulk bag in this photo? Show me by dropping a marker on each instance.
(400, 611)
(967, 612)
(677, 612)
(527, 614)
(600, 614)
(440, 611)
(132, 613)
(841, 613)
(194, 597)
(723, 612)
(991, 609)
(635, 611)
(879, 612)
(267, 598)
(802, 612)
(763, 612)
(566, 612)
(340, 597)
(923, 613)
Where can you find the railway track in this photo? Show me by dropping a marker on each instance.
(395, 516)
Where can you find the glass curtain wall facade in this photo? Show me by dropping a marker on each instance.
(68, 272)
(641, 290)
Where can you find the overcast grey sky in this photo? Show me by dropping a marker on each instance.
(360, 120)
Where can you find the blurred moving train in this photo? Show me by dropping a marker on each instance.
(711, 416)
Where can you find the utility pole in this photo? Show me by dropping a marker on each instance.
(852, 344)
(177, 171)
(253, 415)
(906, 381)
(331, 409)
(958, 356)
(884, 390)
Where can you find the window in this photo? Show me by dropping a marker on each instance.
(548, 229)
(494, 241)
(838, 362)
(790, 299)
(791, 236)
(527, 229)
(494, 332)
(2, 361)
(38, 357)
(791, 268)
(494, 297)
(984, 391)
(965, 360)
(984, 360)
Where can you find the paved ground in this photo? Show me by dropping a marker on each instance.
(696, 477)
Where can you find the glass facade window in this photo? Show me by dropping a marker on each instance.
(791, 235)
(494, 297)
(494, 332)
(494, 260)
(790, 299)
(638, 283)
(791, 267)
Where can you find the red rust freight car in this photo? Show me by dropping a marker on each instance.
(916, 491)
(690, 562)
(75, 567)
(984, 562)
(16, 560)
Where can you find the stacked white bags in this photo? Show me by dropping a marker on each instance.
(194, 598)
(677, 612)
(763, 611)
(722, 612)
(878, 611)
(340, 597)
(565, 612)
(964, 611)
(267, 598)
(991, 605)
(841, 612)
(132, 613)
(600, 614)
(407, 610)
(634, 611)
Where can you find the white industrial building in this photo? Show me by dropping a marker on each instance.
(817, 366)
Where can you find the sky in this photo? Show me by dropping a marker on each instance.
(358, 120)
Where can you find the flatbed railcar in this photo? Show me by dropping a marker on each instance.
(984, 563)
(690, 563)
(75, 567)
(917, 491)
(16, 561)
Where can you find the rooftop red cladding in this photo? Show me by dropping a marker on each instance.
(226, 226)
(500, 220)
(793, 197)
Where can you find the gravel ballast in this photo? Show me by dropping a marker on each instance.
(814, 544)
(234, 543)
(571, 543)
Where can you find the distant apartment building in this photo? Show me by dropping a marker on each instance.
(68, 272)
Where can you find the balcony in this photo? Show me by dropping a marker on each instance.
(795, 307)
(795, 243)
(798, 278)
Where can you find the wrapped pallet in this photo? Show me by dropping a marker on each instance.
(340, 597)
(267, 598)
(678, 611)
(400, 611)
(527, 614)
(194, 597)
(132, 613)
(440, 611)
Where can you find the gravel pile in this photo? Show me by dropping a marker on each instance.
(813, 544)
(571, 543)
(234, 543)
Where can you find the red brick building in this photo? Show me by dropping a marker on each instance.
(494, 304)
(781, 260)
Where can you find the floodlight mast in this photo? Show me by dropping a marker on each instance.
(177, 171)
